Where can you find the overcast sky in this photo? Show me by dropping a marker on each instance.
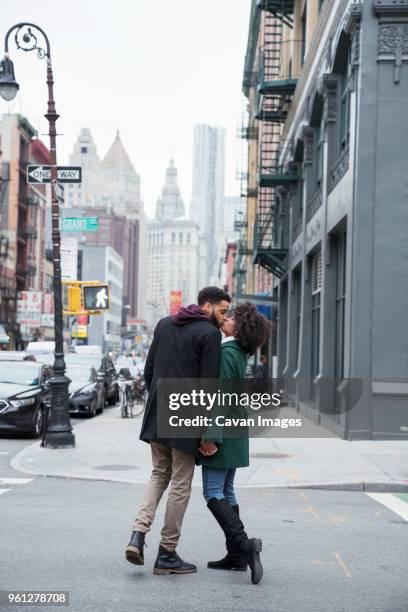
(151, 68)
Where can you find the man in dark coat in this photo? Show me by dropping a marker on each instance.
(186, 345)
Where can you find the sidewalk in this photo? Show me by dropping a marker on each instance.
(108, 448)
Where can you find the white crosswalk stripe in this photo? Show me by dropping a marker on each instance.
(392, 502)
(16, 483)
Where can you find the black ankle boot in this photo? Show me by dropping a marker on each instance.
(134, 551)
(168, 562)
(234, 531)
(234, 559)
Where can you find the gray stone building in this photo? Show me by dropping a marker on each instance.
(328, 81)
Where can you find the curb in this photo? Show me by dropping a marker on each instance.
(366, 487)
(362, 486)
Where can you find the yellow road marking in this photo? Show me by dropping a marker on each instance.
(304, 496)
(337, 519)
(342, 564)
(313, 511)
(292, 474)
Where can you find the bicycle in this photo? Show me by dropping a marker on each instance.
(126, 400)
(140, 394)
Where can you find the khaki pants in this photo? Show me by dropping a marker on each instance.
(169, 464)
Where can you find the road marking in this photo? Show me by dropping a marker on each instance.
(311, 510)
(342, 564)
(4, 491)
(4, 452)
(304, 496)
(391, 502)
(337, 519)
(291, 474)
(15, 481)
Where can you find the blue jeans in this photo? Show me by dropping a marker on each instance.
(219, 483)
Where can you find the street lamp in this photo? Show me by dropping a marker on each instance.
(59, 432)
(8, 85)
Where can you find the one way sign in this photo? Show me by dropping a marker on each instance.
(65, 174)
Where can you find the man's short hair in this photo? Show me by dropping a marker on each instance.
(213, 295)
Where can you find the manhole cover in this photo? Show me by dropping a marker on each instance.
(269, 455)
(118, 468)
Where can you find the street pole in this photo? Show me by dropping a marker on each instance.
(59, 433)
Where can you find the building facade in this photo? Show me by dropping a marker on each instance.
(122, 234)
(105, 264)
(86, 156)
(326, 93)
(207, 204)
(173, 252)
(113, 186)
(24, 215)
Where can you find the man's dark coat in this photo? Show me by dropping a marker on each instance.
(185, 346)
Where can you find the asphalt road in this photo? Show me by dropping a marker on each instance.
(323, 550)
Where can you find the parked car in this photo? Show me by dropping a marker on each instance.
(42, 346)
(88, 349)
(16, 356)
(134, 364)
(24, 391)
(86, 393)
(102, 364)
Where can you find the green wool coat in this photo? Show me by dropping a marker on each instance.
(232, 452)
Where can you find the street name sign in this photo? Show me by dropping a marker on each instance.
(79, 224)
(65, 174)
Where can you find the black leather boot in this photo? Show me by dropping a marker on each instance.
(168, 562)
(234, 531)
(134, 550)
(234, 559)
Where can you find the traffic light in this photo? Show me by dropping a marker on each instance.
(74, 298)
(96, 297)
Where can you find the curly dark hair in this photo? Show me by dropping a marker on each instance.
(252, 329)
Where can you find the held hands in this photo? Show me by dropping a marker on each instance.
(207, 448)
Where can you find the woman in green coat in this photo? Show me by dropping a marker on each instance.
(246, 331)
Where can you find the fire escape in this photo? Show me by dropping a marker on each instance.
(282, 9)
(276, 85)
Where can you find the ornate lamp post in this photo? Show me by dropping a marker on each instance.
(59, 433)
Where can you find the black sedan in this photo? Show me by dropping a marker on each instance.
(24, 391)
(86, 393)
(104, 366)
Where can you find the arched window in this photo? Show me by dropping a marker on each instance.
(319, 153)
(342, 67)
(317, 122)
(344, 103)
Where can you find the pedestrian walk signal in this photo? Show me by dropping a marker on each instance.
(96, 297)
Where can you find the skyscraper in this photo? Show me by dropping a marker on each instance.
(172, 252)
(207, 204)
(85, 155)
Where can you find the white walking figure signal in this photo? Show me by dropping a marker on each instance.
(101, 298)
